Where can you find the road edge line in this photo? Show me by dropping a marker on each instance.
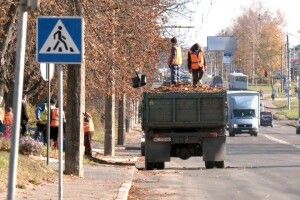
(279, 141)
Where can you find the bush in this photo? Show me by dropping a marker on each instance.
(30, 146)
(4, 144)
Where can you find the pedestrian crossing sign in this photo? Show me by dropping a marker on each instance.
(60, 40)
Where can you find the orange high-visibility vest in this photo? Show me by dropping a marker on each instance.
(88, 126)
(8, 119)
(54, 118)
(197, 60)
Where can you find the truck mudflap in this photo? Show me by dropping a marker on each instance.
(214, 148)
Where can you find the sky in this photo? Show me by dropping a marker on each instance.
(211, 16)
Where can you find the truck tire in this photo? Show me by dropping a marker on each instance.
(231, 134)
(209, 164)
(255, 134)
(160, 165)
(219, 164)
(142, 148)
(149, 165)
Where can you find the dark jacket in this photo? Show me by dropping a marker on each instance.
(24, 113)
(172, 56)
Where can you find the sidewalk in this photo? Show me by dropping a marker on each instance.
(106, 178)
(268, 106)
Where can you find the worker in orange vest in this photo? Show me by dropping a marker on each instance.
(8, 122)
(88, 127)
(196, 63)
(175, 61)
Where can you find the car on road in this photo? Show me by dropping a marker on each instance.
(186, 78)
(266, 119)
(298, 127)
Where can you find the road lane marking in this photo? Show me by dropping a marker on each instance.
(279, 141)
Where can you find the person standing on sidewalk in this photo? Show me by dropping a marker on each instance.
(88, 127)
(196, 63)
(8, 122)
(24, 116)
(54, 121)
(175, 61)
(41, 114)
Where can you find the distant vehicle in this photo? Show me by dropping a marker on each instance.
(186, 78)
(298, 127)
(266, 119)
(207, 79)
(217, 81)
(243, 112)
(238, 81)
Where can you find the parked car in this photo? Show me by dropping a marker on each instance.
(266, 119)
(217, 81)
(298, 127)
(186, 78)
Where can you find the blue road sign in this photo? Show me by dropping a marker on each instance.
(60, 40)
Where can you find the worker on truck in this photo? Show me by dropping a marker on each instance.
(175, 61)
(196, 63)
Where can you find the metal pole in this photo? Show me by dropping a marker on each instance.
(18, 91)
(60, 129)
(288, 66)
(298, 92)
(253, 74)
(281, 60)
(48, 117)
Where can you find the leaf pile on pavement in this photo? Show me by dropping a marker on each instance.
(183, 88)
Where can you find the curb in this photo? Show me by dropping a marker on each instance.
(125, 187)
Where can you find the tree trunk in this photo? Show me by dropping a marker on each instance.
(109, 139)
(75, 107)
(122, 121)
(74, 129)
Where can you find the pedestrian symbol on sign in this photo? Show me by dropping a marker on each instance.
(60, 38)
(59, 41)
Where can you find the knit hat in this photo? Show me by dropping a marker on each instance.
(174, 40)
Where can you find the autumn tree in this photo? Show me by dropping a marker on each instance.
(259, 36)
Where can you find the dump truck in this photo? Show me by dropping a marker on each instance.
(184, 123)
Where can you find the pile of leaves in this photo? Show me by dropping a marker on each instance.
(183, 88)
(30, 146)
(4, 144)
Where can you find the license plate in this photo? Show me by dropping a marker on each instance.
(245, 130)
(162, 139)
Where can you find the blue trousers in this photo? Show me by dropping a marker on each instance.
(175, 78)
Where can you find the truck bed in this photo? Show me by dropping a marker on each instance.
(183, 110)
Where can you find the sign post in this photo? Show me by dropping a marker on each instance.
(60, 41)
(47, 71)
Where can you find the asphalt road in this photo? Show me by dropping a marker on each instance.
(262, 167)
